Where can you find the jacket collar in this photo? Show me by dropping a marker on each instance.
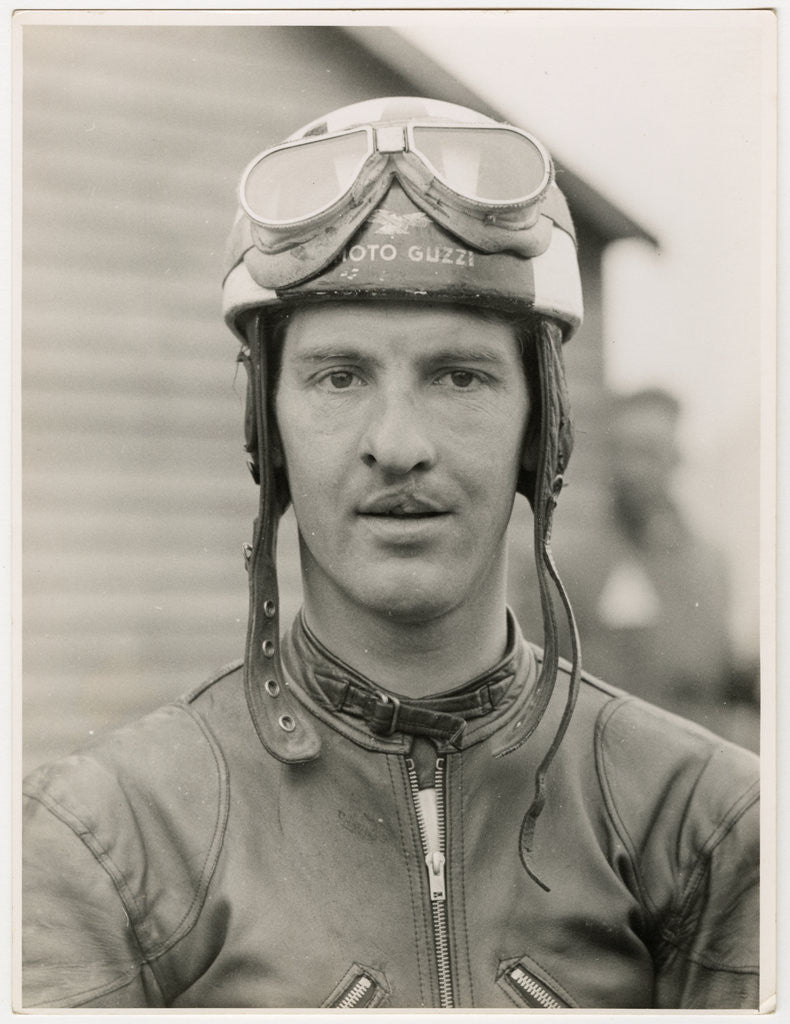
(382, 720)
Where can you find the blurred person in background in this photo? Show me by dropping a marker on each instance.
(651, 594)
(399, 801)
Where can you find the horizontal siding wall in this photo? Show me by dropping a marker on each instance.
(136, 497)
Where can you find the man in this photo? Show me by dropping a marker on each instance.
(651, 597)
(375, 809)
(662, 603)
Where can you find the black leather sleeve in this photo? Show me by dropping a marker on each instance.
(79, 946)
(691, 829)
(120, 843)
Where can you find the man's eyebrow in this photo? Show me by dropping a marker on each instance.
(345, 352)
(329, 353)
(461, 354)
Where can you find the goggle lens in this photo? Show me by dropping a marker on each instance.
(295, 183)
(299, 181)
(490, 164)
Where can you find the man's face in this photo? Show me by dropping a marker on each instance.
(401, 429)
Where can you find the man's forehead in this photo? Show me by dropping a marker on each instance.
(417, 327)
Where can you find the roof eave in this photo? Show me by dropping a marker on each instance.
(430, 79)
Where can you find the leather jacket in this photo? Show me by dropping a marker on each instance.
(175, 863)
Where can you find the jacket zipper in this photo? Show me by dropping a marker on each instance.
(437, 879)
(533, 992)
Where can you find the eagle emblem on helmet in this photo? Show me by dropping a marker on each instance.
(390, 223)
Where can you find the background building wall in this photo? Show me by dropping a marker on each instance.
(136, 496)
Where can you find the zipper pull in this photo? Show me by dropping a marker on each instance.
(435, 863)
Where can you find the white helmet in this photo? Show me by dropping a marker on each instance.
(404, 197)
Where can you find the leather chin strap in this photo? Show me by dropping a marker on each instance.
(283, 725)
(555, 449)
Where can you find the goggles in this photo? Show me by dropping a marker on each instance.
(490, 172)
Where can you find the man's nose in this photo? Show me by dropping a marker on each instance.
(397, 435)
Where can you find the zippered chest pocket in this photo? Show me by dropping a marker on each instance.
(529, 985)
(360, 988)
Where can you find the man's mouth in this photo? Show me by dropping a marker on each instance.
(397, 514)
(402, 507)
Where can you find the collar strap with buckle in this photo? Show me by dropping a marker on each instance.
(442, 718)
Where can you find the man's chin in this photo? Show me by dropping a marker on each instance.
(413, 592)
(409, 604)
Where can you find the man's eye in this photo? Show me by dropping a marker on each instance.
(461, 379)
(340, 380)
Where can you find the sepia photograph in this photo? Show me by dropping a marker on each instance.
(394, 542)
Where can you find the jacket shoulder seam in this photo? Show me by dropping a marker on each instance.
(212, 856)
(619, 825)
(729, 820)
(126, 897)
(216, 677)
